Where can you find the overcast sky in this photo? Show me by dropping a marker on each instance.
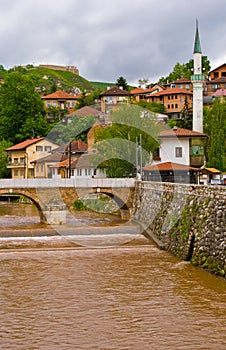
(106, 39)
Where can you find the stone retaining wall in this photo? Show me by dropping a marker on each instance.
(188, 220)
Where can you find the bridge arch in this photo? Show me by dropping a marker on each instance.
(27, 195)
(123, 206)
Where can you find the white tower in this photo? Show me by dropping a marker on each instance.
(197, 80)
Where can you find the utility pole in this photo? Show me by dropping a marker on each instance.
(139, 157)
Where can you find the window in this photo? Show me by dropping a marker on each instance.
(79, 172)
(39, 148)
(22, 172)
(48, 149)
(172, 106)
(187, 86)
(176, 105)
(22, 160)
(15, 172)
(172, 85)
(168, 97)
(168, 106)
(197, 150)
(16, 160)
(178, 152)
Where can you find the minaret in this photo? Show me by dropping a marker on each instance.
(197, 80)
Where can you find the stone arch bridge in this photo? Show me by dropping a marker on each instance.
(53, 197)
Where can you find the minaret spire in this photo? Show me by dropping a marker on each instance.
(197, 46)
(197, 80)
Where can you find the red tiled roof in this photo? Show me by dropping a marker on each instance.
(60, 95)
(171, 91)
(217, 81)
(180, 80)
(24, 144)
(219, 92)
(77, 145)
(115, 91)
(169, 166)
(85, 111)
(180, 132)
(63, 164)
(138, 91)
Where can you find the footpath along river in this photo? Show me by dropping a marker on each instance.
(120, 297)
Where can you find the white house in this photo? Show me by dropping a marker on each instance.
(181, 146)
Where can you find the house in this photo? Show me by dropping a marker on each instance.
(175, 100)
(21, 156)
(211, 86)
(69, 160)
(218, 72)
(171, 172)
(140, 94)
(61, 100)
(181, 146)
(112, 98)
(80, 167)
(181, 83)
(210, 176)
(43, 166)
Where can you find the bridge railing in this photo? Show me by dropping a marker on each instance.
(81, 183)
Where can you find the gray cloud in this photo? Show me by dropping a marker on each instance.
(106, 39)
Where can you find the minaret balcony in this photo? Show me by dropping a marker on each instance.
(197, 78)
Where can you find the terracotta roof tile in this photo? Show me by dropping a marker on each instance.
(60, 95)
(171, 91)
(115, 91)
(169, 166)
(24, 144)
(220, 92)
(85, 111)
(180, 132)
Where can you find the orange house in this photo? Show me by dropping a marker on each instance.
(174, 100)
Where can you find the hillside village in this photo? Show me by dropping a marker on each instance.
(179, 153)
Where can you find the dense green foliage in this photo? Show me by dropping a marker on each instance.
(76, 129)
(121, 82)
(185, 70)
(152, 106)
(117, 145)
(215, 128)
(4, 173)
(19, 102)
(48, 80)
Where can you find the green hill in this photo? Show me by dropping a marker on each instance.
(49, 80)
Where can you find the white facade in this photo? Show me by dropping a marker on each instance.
(175, 150)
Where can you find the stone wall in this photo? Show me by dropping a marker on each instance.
(186, 220)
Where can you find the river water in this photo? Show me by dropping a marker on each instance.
(122, 297)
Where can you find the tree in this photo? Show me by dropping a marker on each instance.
(4, 172)
(215, 128)
(76, 129)
(18, 102)
(122, 82)
(143, 82)
(116, 145)
(152, 106)
(185, 70)
(205, 65)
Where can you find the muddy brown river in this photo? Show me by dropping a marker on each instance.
(123, 296)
